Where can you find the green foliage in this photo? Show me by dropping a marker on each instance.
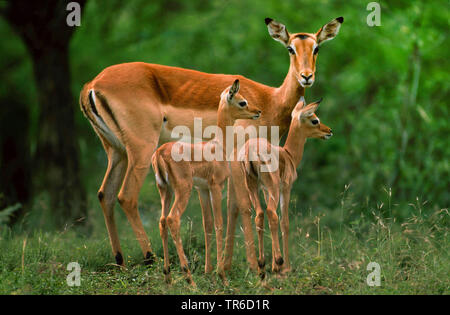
(385, 88)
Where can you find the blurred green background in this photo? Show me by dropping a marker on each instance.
(385, 90)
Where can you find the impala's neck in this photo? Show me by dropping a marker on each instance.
(288, 94)
(223, 120)
(295, 143)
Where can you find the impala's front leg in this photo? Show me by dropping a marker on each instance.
(216, 200)
(277, 260)
(205, 203)
(284, 205)
(232, 213)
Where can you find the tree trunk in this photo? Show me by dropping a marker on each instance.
(42, 26)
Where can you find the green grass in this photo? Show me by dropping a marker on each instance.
(330, 251)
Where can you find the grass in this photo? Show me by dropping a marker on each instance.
(330, 251)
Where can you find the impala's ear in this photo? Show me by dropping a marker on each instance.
(298, 107)
(309, 110)
(233, 90)
(329, 30)
(278, 31)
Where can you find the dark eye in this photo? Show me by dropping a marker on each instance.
(291, 50)
(316, 50)
(314, 122)
(243, 103)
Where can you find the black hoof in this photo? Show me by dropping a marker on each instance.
(149, 259)
(119, 259)
(279, 261)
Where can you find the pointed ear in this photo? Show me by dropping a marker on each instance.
(278, 31)
(309, 110)
(298, 107)
(329, 30)
(233, 90)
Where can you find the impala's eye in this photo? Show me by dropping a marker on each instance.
(291, 50)
(243, 103)
(316, 50)
(314, 121)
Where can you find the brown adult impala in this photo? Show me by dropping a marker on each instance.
(133, 108)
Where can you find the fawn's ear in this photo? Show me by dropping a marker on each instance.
(233, 90)
(278, 31)
(329, 30)
(298, 107)
(309, 110)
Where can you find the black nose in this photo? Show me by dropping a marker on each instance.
(307, 77)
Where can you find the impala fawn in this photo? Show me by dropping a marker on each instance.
(277, 184)
(178, 178)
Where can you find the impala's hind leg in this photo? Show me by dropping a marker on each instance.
(252, 185)
(107, 195)
(166, 198)
(138, 166)
(180, 203)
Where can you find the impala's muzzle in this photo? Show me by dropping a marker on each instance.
(306, 79)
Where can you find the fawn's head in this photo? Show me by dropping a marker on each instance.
(305, 118)
(234, 106)
(304, 47)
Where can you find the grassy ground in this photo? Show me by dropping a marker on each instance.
(330, 251)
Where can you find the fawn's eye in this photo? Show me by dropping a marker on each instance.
(291, 50)
(316, 50)
(314, 121)
(243, 103)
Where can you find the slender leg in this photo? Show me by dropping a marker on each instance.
(166, 198)
(284, 204)
(173, 220)
(244, 205)
(232, 213)
(107, 194)
(205, 204)
(138, 166)
(277, 260)
(216, 201)
(252, 185)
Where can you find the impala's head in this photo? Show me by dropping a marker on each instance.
(309, 122)
(303, 48)
(235, 105)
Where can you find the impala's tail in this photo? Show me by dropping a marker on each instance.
(89, 103)
(160, 168)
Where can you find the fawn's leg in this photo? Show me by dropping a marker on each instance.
(205, 203)
(174, 221)
(284, 205)
(166, 197)
(277, 260)
(216, 201)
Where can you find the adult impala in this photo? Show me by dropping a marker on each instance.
(133, 108)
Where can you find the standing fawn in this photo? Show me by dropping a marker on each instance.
(208, 177)
(277, 184)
